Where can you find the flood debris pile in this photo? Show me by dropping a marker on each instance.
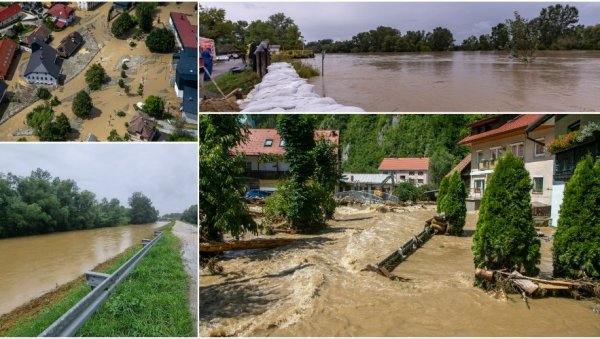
(282, 90)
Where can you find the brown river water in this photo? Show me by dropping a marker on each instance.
(315, 287)
(462, 81)
(34, 265)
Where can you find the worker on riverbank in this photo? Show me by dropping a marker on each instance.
(263, 58)
(251, 56)
(207, 59)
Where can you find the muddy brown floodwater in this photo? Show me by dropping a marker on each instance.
(315, 287)
(462, 81)
(36, 264)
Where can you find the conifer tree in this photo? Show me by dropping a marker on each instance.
(454, 204)
(505, 235)
(576, 246)
(442, 193)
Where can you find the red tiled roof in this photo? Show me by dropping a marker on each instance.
(255, 145)
(41, 34)
(188, 33)
(461, 165)
(60, 11)
(395, 164)
(9, 11)
(520, 122)
(7, 52)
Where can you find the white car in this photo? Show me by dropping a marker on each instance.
(222, 58)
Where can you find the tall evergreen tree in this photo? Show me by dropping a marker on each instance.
(505, 237)
(442, 193)
(576, 246)
(454, 204)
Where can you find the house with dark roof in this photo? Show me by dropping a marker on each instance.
(186, 82)
(39, 34)
(10, 14)
(44, 65)
(264, 151)
(186, 34)
(8, 49)
(492, 137)
(70, 44)
(415, 170)
(142, 129)
(61, 14)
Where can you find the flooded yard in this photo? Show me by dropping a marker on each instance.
(316, 287)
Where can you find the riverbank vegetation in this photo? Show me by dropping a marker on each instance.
(228, 82)
(39, 204)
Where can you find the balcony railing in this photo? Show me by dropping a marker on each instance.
(266, 174)
(487, 164)
(566, 161)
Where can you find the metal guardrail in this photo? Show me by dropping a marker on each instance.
(102, 287)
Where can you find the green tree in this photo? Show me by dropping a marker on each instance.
(222, 208)
(190, 215)
(144, 12)
(441, 39)
(121, 26)
(82, 104)
(141, 210)
(154, 106)
(442, 193)
(505, 237)
(523, 38)
(114, 136)
(555, 22)
(43, 93)
(440, 164)
(576, 245)
(140, 90)
(160, 40)
(94, 76)
(454, 205)
(48, 127)
(500, 36)
(407, 191)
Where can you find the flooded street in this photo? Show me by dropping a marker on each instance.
(461, 81)
(316, 287)
(36, 264)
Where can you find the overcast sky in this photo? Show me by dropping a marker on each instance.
(167, 173)
(340, 21)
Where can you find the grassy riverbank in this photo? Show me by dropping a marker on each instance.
(152, 301)
(230, 81)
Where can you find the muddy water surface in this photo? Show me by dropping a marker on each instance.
(34, 265)
(462, 81)
(315, 287)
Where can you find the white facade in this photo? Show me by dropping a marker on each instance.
(252, 164)
(87, 5)
(418, 177)
(538, 163)
(41, 78)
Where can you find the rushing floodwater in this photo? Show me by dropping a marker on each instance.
(33, 265)
(316, 287)
(462, 81)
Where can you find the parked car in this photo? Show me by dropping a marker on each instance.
(222, 58)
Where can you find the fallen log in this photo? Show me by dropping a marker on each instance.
(259, 243)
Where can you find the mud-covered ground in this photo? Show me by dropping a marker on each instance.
(316, 287)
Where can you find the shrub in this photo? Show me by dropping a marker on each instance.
(126, 88)
(505, 237)
(47, 126)
(82, 104)
(407, 191)
(143, 12)
(124, 67)
(122, 25)
(94, 76)
(54, 101)
(160, 40)
(121, 83)
(576, 246)
(114, 136)
(140, 90)
(43, 93)
(454, 205)
(132, 44)
(121, 114)
(123, 75)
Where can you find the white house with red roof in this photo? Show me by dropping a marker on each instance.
(61, 14)
(492, 137)
(9, 14)
(264, 152)
(415, 170)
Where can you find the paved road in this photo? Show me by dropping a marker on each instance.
(188, 235)
(225, 66)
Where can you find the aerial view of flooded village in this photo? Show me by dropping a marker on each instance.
(400, 57)
(98, 71)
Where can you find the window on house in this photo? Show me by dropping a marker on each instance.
(281, 143)
(411, 173)
(539, 148)
(479, 185)
(420, 173)
(412, 181)
(268, 142)
(538, 185)
(479, 156)
(517, 149)
(248, 166)
(495, 152)
(420, 181)
(574, 126)
(403, 177)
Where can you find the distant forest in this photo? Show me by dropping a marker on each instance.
(368, 138)
(555, 28)
(190, 215)
(39, 204)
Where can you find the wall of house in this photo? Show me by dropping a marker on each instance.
(266, 166)
(41, 78)
(538, 166)
(568, 119)
(419, 179)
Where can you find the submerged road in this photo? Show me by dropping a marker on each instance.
(188, 235)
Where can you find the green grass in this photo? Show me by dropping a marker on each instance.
(230, 81)
(34, 325)
(151, 302)
(304, 71)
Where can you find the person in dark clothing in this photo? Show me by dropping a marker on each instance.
(253, 46)
(208, 63)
